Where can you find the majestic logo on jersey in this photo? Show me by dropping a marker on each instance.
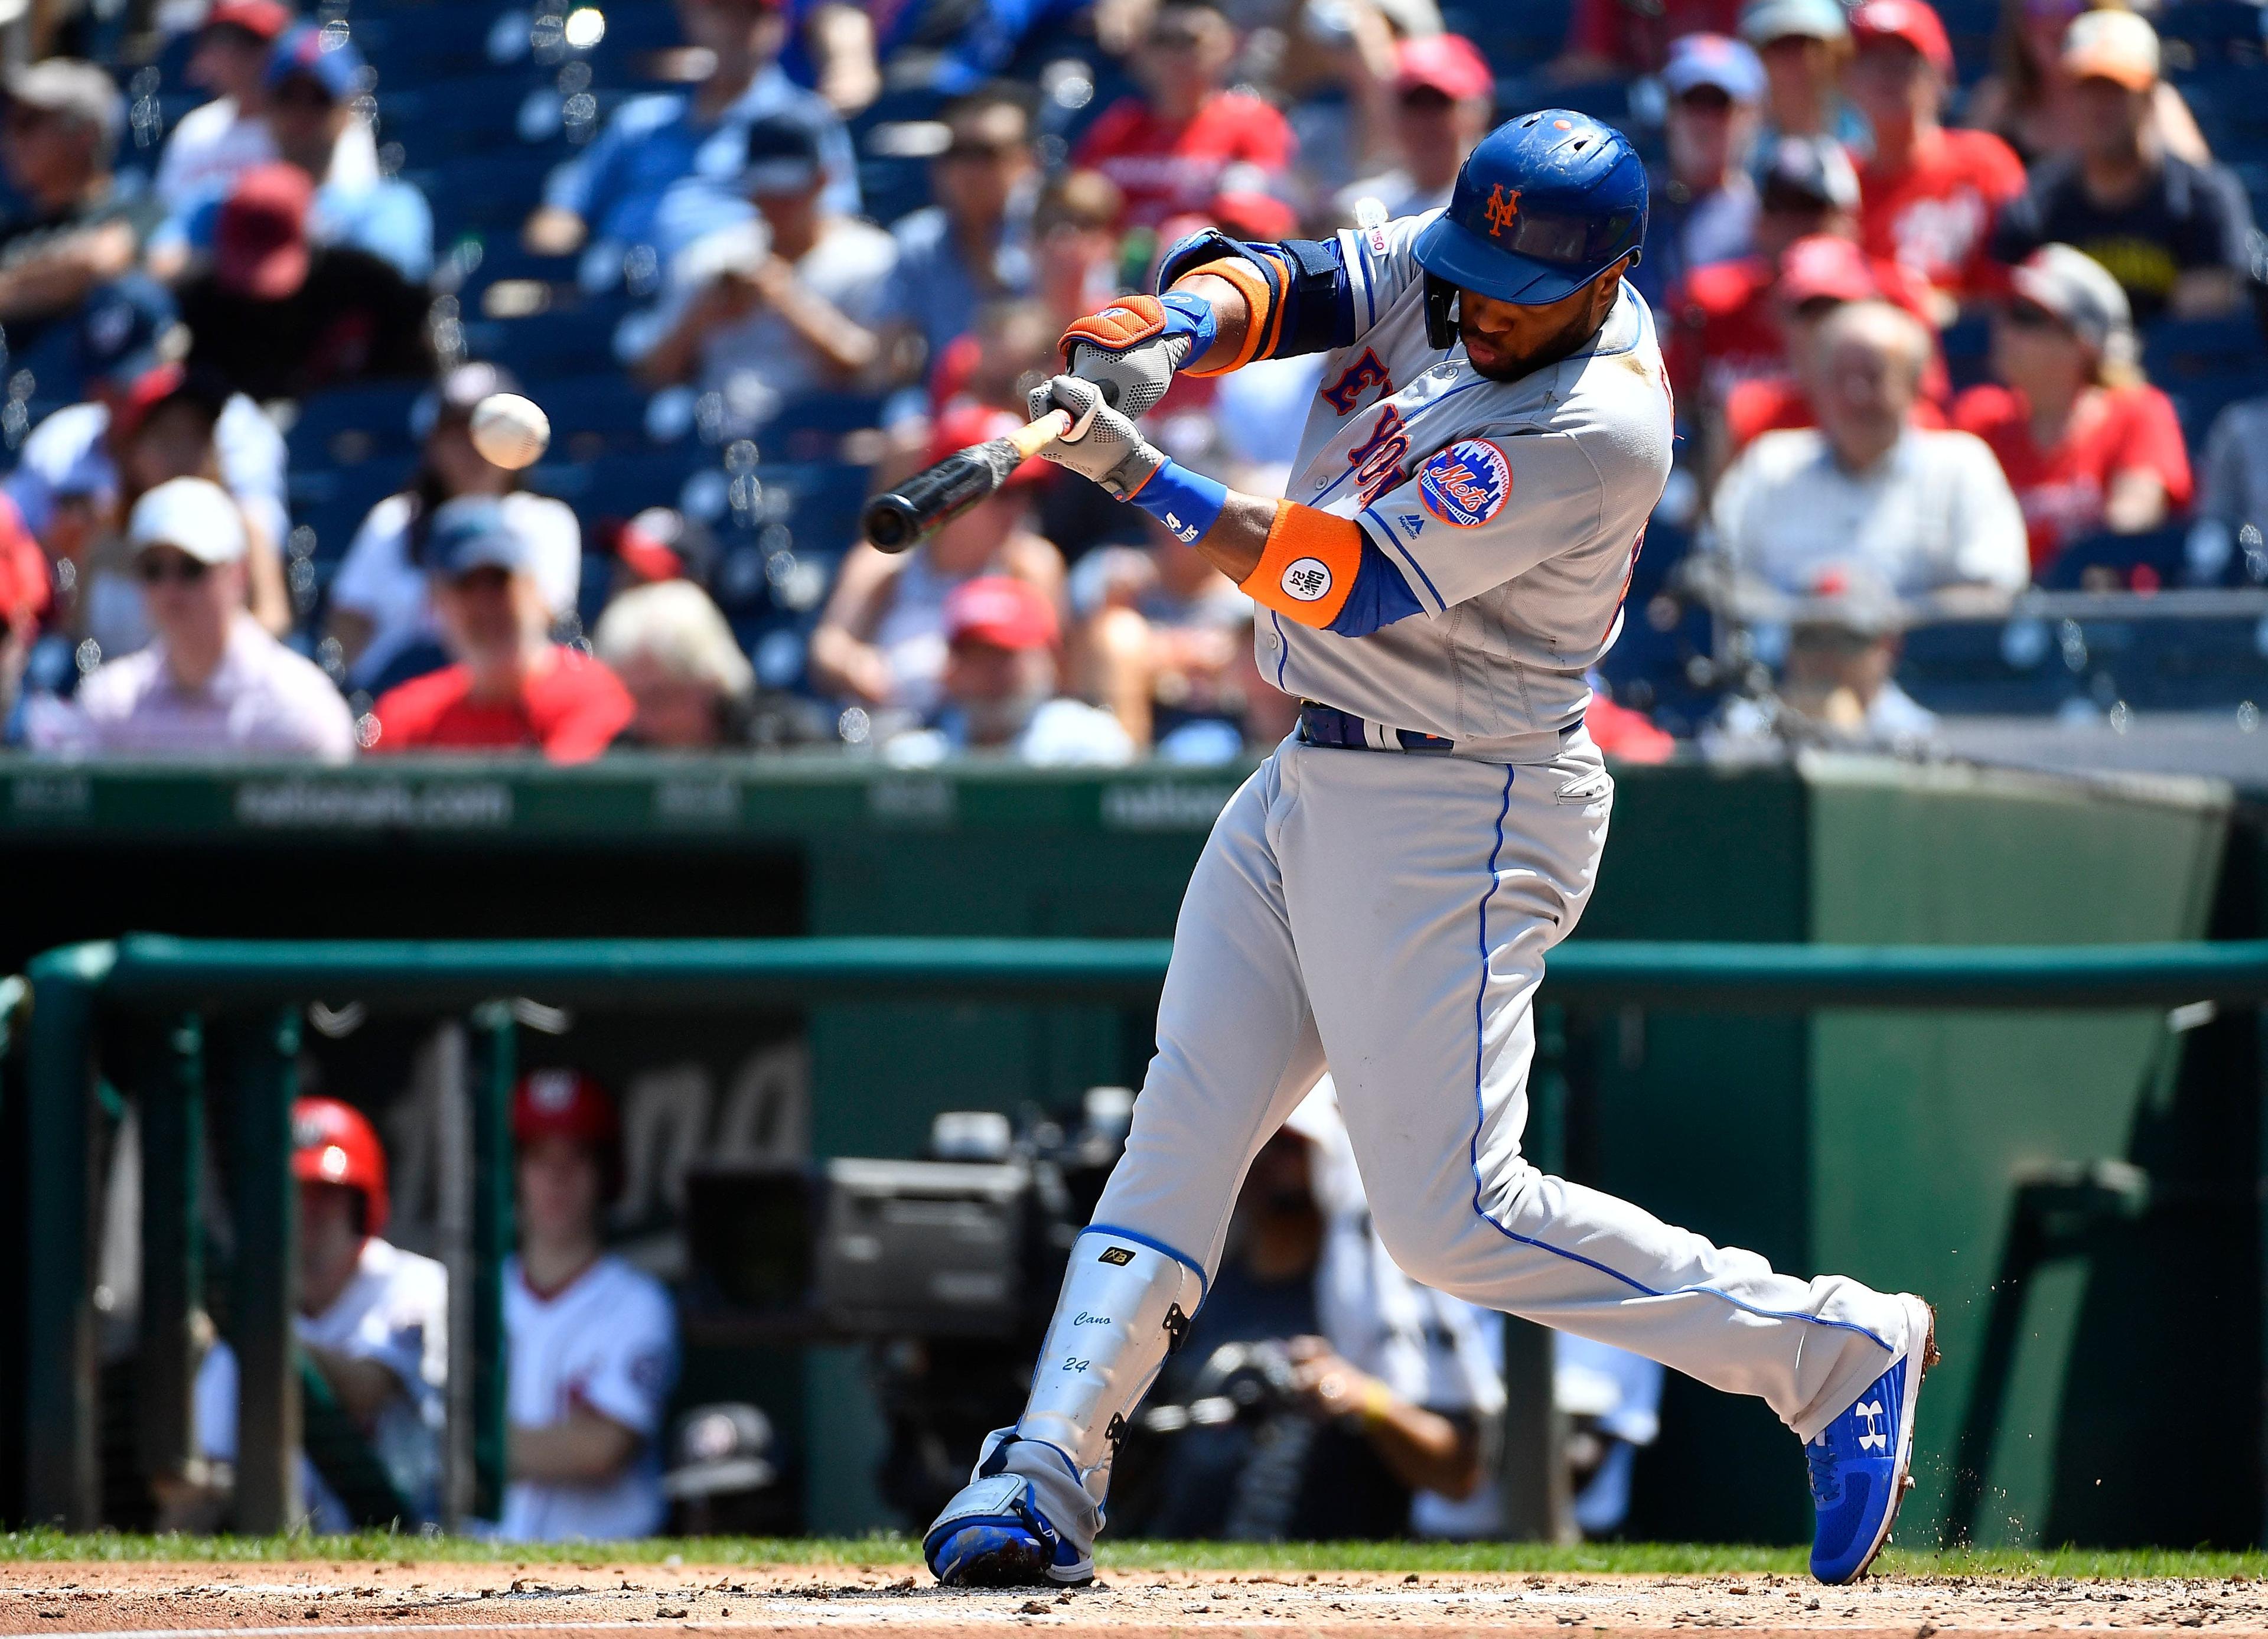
(1364, 372)
(1503, 210)
(1412, 525)
(1306, 579)
(1377, 459)
(1466, 484)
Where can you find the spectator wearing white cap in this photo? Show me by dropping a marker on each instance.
(2177, 236)
(674, 653)
(2028, 99)
(1926, 510)
(510, 687)
(1803, 46)
(2086, 443)
(78, 223)
(1704, 203)
(212, 682)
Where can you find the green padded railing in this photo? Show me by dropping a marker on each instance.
(269, 982)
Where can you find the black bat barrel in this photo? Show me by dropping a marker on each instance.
(896, 520)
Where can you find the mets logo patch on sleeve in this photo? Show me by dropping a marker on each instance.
(1466, 484)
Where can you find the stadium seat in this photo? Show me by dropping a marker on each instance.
(2145, 561)
(349, 426)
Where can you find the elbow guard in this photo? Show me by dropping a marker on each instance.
(1297, 292)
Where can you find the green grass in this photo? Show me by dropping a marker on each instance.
(1610, 1558)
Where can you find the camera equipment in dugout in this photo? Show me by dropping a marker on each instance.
(946, 1266)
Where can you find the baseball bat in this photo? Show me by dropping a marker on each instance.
(896, 520)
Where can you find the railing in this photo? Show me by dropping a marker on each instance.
(184, 982)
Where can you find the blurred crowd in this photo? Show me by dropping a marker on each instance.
(1904, 306)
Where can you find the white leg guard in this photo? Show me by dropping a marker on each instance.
(1124, 1304)
(1030, 1512)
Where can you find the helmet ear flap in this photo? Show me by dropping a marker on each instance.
(1440, 311)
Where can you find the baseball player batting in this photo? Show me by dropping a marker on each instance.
(1474, 478)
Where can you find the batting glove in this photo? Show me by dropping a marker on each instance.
(1104, 444)
(1131, 348)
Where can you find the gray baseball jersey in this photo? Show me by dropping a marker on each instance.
(1514, 509)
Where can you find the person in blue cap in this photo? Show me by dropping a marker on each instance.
(1705, 202)
(1492, 433)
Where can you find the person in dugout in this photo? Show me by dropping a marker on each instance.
(373, 1323)
(591, 1341)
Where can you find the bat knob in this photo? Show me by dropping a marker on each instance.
(890, 522)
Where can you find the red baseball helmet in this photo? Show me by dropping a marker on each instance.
(334, 1143)
(569, 1104)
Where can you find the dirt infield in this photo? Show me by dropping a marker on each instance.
(344, 1597)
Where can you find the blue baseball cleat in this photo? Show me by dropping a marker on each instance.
(1023, 1521)
(1858, 1462)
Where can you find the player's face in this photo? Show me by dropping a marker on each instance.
(1505, 341)
(558, 1190)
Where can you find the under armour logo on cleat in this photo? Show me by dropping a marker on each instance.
(1873, 1437)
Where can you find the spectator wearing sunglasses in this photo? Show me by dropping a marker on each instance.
(211, 682)
(1704, 202)
(2086, 443)
(1444, 103)
(973, 246)
(510, 688)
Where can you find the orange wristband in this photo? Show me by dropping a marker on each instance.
(1308, 566)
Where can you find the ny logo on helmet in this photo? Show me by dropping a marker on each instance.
(1503, 209)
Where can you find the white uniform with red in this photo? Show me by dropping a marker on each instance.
(395, 1311)
(607, 1342)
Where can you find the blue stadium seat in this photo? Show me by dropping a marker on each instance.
(621, 484)
(2155, 556)
(565, 339)
(333, 502)
(484, 194)
(349, 426)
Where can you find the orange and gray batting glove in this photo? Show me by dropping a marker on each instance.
(1131, 348)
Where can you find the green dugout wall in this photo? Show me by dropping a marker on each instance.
(2078, 1193)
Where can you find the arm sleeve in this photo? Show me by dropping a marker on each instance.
(1989, 546)
(1485, 509)
(636, 1364)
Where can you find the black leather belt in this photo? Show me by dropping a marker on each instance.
(1328, 726)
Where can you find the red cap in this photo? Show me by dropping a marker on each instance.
(260, 247)
(965, 422)
(1002, 611)
(1821, 264)
(334, 1143)
(1448, 63)
(564, 1103)
(264, 19)
(567, 1104)
(1910, 21)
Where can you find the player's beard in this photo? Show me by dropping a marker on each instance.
(1579, 327)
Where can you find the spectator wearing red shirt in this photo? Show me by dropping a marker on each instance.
(511, 688)
(1612, 38)
(1167, 148)
(1930, 195)
(2087, 443)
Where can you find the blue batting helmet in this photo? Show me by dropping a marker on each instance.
(1544, 204)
